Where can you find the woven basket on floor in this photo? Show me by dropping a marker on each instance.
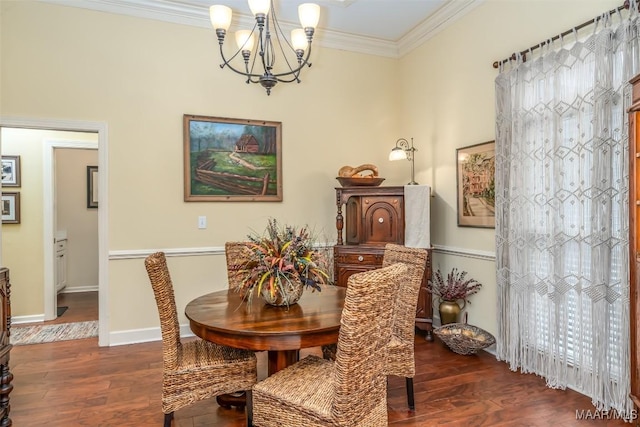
(464, 339)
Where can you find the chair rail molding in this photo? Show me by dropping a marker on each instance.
(180, 252)
(464, 252)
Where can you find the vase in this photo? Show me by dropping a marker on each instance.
(449, 312)
(286, 294)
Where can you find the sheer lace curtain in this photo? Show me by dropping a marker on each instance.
(562, 211)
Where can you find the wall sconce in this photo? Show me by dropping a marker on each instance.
(404, 150)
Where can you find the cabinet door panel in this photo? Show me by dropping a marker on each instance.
(353, 221)
(383, 221)
(4, 329)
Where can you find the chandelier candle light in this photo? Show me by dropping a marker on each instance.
(268, 29)
(403, 150)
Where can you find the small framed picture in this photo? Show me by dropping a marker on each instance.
(476, 185)
(92, 187)
(11, 171)
(10, 208)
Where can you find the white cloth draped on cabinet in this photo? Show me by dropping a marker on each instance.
(417, 216)
(562, 211)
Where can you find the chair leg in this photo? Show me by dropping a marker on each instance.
(249, 408)
(167, 419)
(412, 405)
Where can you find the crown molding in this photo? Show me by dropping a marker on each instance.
(441, 19)
(356, 43)
(198, 16)
(158, 10)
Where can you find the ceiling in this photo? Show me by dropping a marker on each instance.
(380, 27)
(382, 19)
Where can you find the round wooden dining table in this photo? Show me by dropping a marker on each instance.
(223, 317)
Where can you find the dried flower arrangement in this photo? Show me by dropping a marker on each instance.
(279, 257)
(456, 287)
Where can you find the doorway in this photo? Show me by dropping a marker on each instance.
(69, 217)
(48, 295)
(75, 224)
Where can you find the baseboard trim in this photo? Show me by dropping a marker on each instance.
(76, 289)
(34, 318)
(137, 336)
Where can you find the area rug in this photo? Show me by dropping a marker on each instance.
(21, 335)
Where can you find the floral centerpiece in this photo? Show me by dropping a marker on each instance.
(455, 288)
(281, 264)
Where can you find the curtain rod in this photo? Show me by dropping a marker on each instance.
(496, 64)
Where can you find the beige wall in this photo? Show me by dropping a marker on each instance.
(74, 218)
(22, 244)
(141, 76)
(448, 103)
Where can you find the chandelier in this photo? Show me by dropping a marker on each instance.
(271, 42)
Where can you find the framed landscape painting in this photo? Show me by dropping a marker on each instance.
(476, 170)
(232, 159)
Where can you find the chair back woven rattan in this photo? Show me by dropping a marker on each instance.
(352, 391)
(401, 358)
(194, 370)
(237, 254)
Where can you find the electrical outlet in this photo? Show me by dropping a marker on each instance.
(202, 222)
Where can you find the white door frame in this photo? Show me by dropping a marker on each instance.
(49, 190)
(103, 211)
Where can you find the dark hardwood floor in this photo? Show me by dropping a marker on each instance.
(77, 383)
(83, 306)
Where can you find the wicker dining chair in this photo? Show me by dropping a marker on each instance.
(236, 254)
(352, 391)
(401, 359)
(193, 370)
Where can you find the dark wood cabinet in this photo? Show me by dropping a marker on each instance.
(373, 217)
(349, 260)
(634, 240)
(5, 347)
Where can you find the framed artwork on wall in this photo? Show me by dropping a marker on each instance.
(232, 160)
(476, 169)
(10, 208)
(92, 187)
(11, 171)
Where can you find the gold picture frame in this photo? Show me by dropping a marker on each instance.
(476, 169)
(228, 160)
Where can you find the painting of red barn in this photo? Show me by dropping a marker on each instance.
(232, 159)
